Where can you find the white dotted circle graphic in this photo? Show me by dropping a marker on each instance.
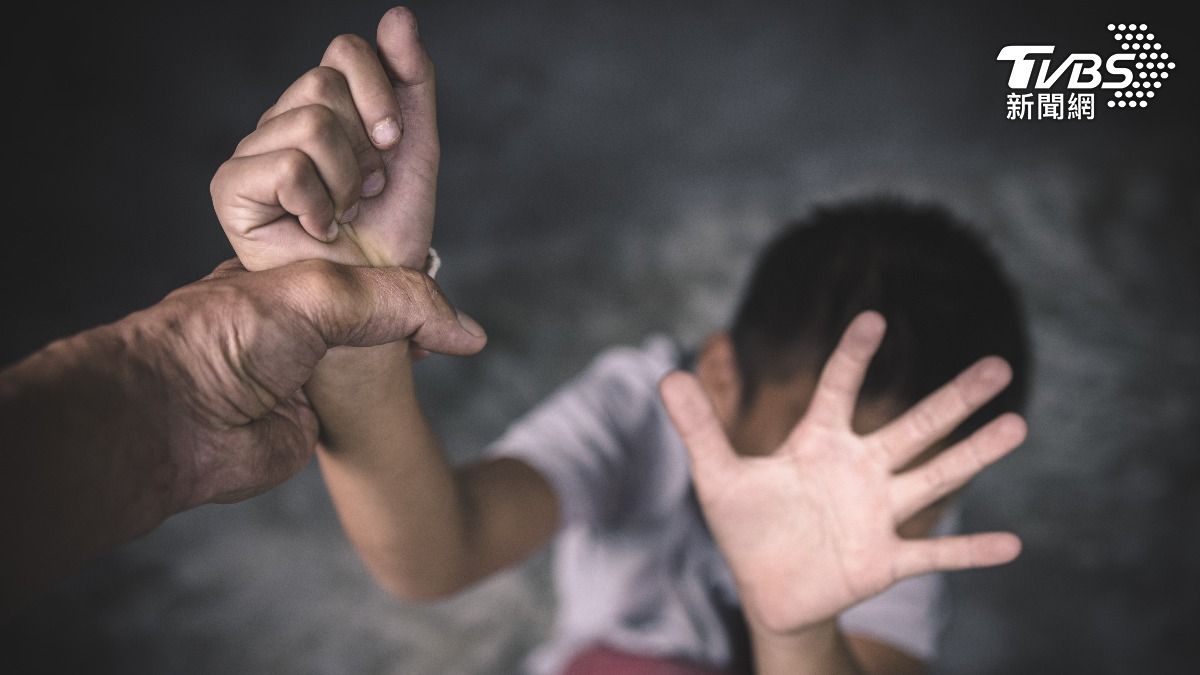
(1148, 60)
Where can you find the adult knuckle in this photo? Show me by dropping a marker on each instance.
(223, 302)
(328, 280)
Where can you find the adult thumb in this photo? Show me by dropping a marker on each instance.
(365, 306)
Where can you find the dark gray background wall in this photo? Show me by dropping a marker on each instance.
(609, 170)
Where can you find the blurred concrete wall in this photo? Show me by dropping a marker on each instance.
(609, 170)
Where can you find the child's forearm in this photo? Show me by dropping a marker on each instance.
(395, 493)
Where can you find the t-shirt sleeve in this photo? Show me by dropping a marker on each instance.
(910, 614)
(579, 439)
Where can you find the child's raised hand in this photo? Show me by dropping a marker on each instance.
(344, 166)
(810, 529)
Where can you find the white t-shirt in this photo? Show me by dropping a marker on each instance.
(635, 566)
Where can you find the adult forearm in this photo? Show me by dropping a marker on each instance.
(86, 464)
(819, 650)
(395, 493)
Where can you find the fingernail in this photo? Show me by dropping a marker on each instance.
(470, 325)
(386, 132)
(373, 184)
(333, 231)
(350, 213)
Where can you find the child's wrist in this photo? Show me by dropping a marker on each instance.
(817, 648)
(362, 366)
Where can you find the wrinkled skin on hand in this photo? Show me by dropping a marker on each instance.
(235, 349)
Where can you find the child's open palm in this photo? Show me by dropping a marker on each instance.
(810, 529)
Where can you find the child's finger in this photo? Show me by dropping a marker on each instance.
(279, 183)
(915, 489)
(693, 416)
(411, 71)
(955, 553)
(936, 415)
(331, 87)
(837, 389)
(378, 110)
(315, 131)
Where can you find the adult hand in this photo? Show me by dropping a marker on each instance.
(196, 399)
(235, 348)
(344, 166)
(810, 530)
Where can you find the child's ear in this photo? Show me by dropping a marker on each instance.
(717, 370)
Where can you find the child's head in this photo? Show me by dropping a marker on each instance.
(946, 301)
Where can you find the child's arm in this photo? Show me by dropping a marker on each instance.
(424, 528)
(305, 185)
(810, 530)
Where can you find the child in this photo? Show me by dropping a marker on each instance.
(794, 505)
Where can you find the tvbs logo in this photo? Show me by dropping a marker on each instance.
(1085, 68)
(1132, 75)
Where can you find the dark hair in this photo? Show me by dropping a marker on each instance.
(946, 300)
